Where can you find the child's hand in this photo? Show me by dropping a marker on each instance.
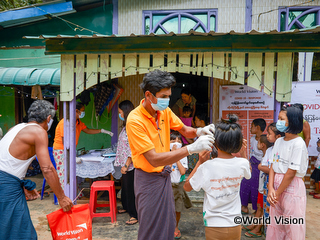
(272, 197)
(243, 150)
(204, 156)
(175, 147)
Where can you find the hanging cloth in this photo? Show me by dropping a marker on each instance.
(36, 92)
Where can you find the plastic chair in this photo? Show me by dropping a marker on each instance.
(44, 180)
(103, 186)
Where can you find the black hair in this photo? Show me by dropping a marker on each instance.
(273, 128)
(174, 135)
(298, 105)
(228, 135)
(260, 122)
(263, 139)
(202, 117)
(185, 91)
(157, 80)
(126, 106)
(186, 109)
(318, 140)
(79, 105)
(295, 118)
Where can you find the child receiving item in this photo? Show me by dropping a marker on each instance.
(179, 168)
(316, 175)
(287, 192)
(220, 179)
(200, 120)
(187, 120)
(263, 145)
(249, 188)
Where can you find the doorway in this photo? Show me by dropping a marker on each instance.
(198, 86)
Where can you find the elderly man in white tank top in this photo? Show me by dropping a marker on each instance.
(17, 150)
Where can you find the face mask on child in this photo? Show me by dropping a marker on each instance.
(318, 149)
(281, 125)
(179, 145)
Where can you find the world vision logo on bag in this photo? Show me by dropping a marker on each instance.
(73, 232)
(83, 225)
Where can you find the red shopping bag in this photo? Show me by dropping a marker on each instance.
(72, 225)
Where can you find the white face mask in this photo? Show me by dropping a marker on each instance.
(179, 145)
(82, 114)
(50, 124)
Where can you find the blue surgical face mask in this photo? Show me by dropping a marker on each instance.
(281, 125)
(82, 115)
(121, 118)
(162, 104)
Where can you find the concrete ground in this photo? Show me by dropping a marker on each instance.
(191, 223)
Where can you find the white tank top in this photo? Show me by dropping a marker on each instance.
(8, 163)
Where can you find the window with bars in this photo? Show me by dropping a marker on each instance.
(298, 18)
(179, 21)
(291, 18)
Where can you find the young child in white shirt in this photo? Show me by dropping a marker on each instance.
(263, 145)
(177, 175)
(316, 175)
(220, 179)
(287, 192)
(249, 188)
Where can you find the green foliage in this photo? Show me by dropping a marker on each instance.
(11, 4)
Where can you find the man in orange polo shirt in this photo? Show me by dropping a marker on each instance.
(148, 128)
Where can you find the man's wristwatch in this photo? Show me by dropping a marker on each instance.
(126, 165)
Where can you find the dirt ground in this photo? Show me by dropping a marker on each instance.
(191, 223)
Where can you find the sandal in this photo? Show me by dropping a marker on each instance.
(177, 235)
(252, 235)
(245, 228)
(316, 196)
(313, 193)
(132, 221)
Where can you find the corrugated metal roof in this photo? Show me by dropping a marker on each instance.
(34, 13)
(29, 76)
(315, 29)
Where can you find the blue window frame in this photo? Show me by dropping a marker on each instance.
(179, 21)
(298, 17)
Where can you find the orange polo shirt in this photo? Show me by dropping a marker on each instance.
(144, 135)
(58, 143)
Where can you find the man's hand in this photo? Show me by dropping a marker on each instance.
(207, 130)
(32, 194)
(65, 203)
(106, 132)
(203, 143)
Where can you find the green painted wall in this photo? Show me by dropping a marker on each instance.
(30, 58)
(97, 19)
(95, 141)
(7, 119)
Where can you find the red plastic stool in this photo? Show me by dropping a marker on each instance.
(103, 186)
